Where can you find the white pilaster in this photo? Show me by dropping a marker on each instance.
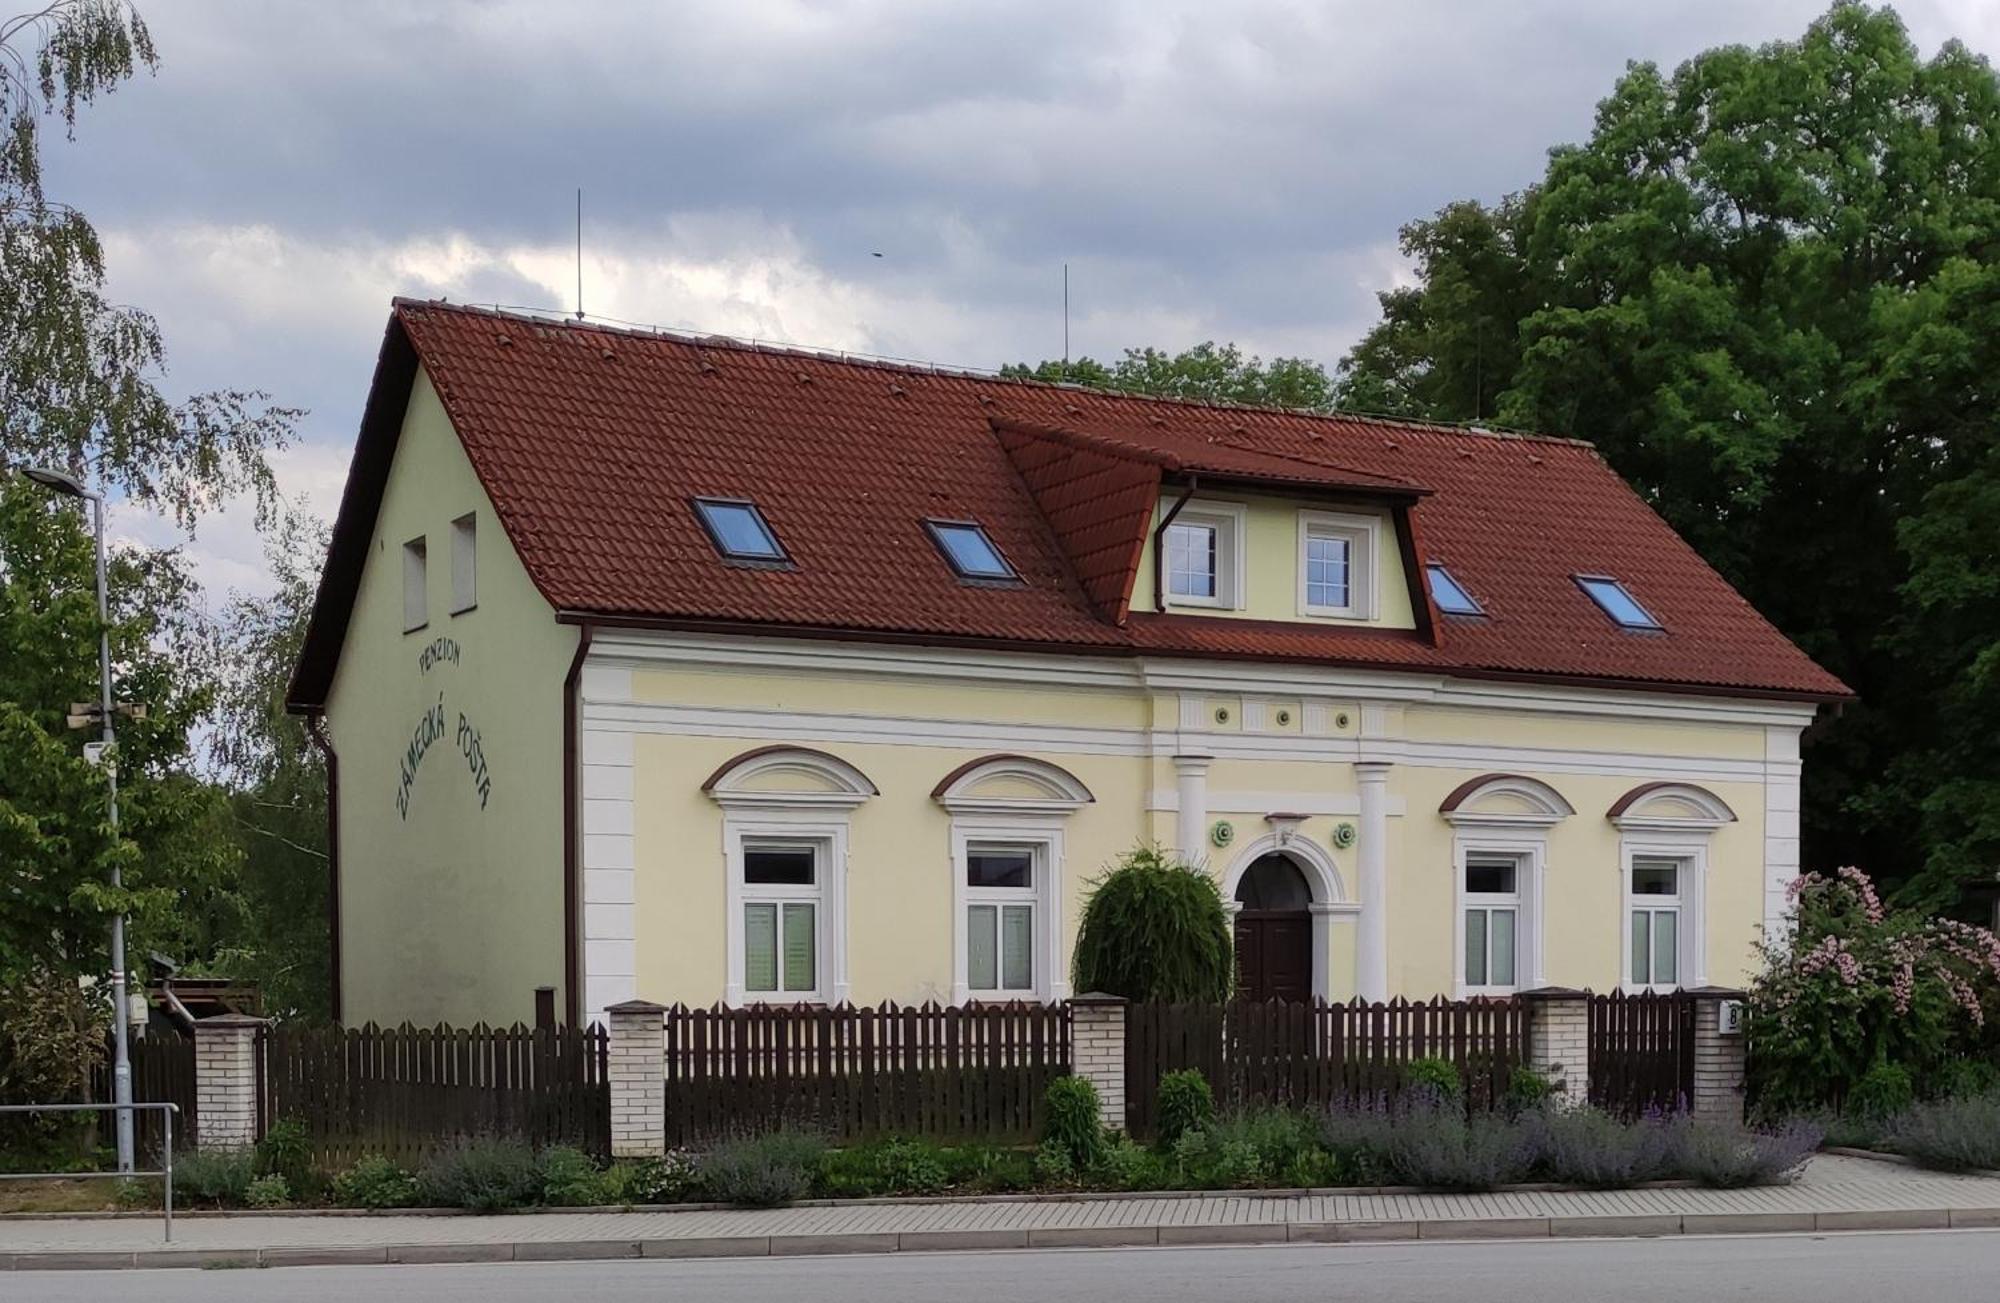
(1371, 965)
(1190, 827)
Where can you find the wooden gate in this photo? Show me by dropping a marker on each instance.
(1641, 1052)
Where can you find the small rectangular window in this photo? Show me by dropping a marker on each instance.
(1000, 867)
(969, 550)
(775, 866)
(1191, 561)
(1450, 595)
(1327, 560)
(738, 530)
(416, 601)
(1656, 877)
(1489, 877)
(464, 563)
(1614, 601)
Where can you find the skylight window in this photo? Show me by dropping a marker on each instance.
(1621, 606)
(1450, 595)
(971, 553)
(738, 530)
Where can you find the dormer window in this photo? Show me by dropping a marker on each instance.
(1337, 565)
(1204, 551)
(1614, 601)
(738, 530)
(969, 550)
(1451, 596)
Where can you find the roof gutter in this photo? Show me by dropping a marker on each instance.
(1159, 543)
(316, 730)
(572, 877)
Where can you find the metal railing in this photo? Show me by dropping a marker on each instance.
(165, 1170)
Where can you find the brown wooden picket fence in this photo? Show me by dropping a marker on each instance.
(1314, 1053)
(402, 1092)
(162, 1072)
(850, 1073)
(1641, 1052)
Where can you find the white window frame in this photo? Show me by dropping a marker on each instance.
(1043, 836)
(1043, 845)
(1363, 537)
(828, 894)
(465, 563)
(416, 584)
(1490, 901)
(1529, 849)
(781, 895)
(1690, 849)
(1227, 519)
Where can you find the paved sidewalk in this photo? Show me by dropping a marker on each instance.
(1835, 1193)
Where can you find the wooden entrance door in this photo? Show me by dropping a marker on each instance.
(1273, 931)
(1274, 955)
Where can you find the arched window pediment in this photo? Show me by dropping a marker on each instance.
(1664, 807)
(788, 776)
(1002, 784)
(1506, 799)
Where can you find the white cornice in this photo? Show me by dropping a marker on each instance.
(636, 647)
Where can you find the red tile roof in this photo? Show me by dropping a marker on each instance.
(591, 441)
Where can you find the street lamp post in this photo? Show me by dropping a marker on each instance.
(121, 1073)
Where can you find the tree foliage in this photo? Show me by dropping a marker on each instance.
(1154, 929)
(1768, 289)
(1208, 372)
(80, 389)
(79, 374)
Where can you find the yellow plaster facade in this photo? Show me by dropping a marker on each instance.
(450, 896)
(452, 867)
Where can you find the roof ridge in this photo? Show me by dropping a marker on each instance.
(912, 366)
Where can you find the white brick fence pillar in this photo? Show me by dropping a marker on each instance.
(225, 1081)
(1097, 1051)
(1559, 1039)
(637, 1058)
(1719, 1056)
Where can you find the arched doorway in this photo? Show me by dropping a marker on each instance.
(1274, 931)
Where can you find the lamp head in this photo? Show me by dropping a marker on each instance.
(61, 481)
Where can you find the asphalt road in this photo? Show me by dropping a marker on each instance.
(1862, 1268)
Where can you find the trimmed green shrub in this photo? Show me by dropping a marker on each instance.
(1127, 1166)
(1155, 929)
(375, 1182)
(670, 1178)
(1727, 1155)
(268, 1192)
(1528, 1089)
(1185, 1104)
(1967, 1078)
(1053, 1164)
(1073, 1125)
(217, 1177)
(1438, 1078)
(571, 1180)
(287, 1150)
(762, 1171)
(1953, 1135)
(486, 1174)
(1883, 1091)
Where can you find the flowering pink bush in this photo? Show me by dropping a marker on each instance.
(1855, 985)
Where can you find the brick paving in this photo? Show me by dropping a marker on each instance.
(1832, 1186)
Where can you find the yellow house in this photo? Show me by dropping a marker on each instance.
(689, 670)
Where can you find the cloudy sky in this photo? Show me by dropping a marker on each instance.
(1210, 169)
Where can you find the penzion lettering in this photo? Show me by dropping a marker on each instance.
(442, 651)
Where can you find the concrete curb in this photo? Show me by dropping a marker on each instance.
(1079, 1237)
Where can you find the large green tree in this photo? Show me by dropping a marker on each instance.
(1208, 372)
(80, 389)
(1768, 289)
